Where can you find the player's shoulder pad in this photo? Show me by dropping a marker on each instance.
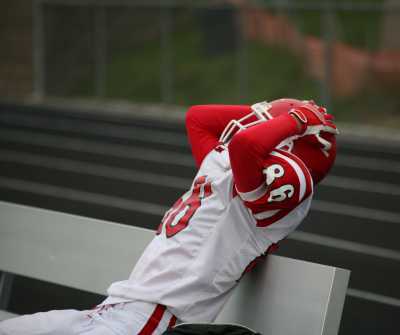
(288, 183)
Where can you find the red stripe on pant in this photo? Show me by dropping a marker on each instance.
(153, 321)
(172, 322)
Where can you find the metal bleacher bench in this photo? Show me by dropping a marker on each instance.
(282, 297)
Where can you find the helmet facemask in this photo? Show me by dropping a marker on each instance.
(316, 147)
(260, 113)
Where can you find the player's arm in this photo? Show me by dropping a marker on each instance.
(249, 148)
(272, 182)
(205, 123)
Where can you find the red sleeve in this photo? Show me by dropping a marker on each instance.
(249, 148)
(205, 123)
(287, 183)
(271, 182)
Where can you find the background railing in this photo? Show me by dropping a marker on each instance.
(343, 53)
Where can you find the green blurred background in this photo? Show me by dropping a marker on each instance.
(344, 54)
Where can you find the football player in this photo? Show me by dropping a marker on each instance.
(257, 167)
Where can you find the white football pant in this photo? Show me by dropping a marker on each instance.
(128, 318)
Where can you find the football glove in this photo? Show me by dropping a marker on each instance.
(314, 119)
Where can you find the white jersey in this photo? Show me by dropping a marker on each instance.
(209, 237)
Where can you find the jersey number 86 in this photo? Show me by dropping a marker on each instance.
(177, 218)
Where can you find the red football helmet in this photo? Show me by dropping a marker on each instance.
(316, 147)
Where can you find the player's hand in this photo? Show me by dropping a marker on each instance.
(313, 119)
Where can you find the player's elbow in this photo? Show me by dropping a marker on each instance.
(191, 116)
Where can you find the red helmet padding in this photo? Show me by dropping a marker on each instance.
(309, 151)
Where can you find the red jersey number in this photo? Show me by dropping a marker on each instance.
(178, 217)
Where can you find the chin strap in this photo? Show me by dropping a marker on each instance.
(316, 130)
(326, 145)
